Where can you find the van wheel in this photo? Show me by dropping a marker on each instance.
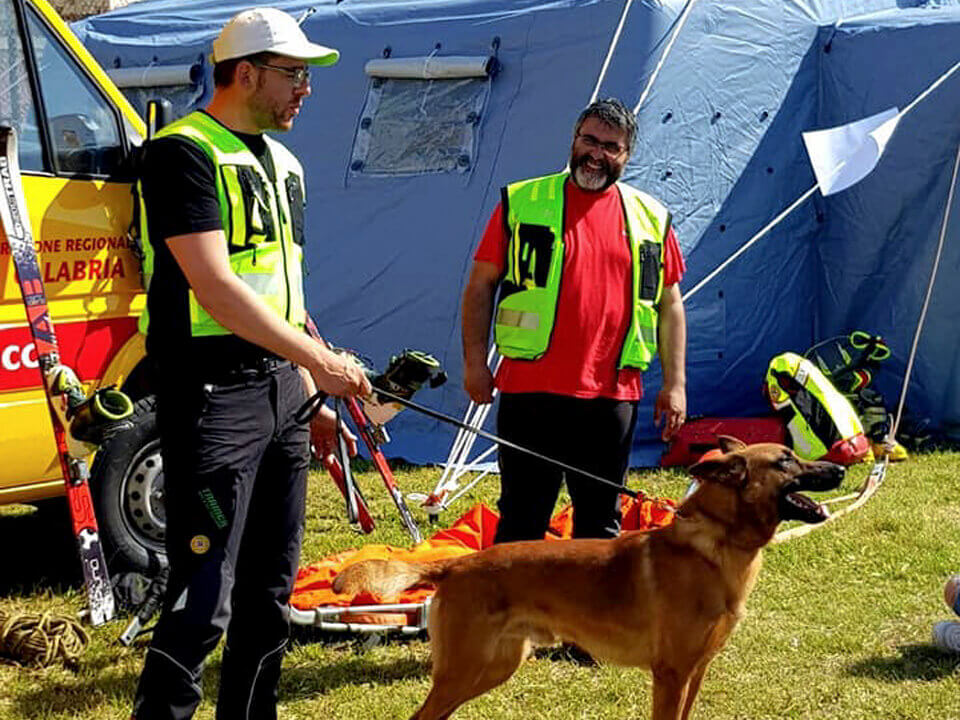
(127, 485)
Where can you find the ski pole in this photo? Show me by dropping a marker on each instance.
(365, 428)
(335, 470)
(312, 406)
(350, 489)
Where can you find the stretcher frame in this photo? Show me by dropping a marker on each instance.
(330, 618)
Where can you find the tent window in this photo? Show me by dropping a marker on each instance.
(422, 115)
(182, 85)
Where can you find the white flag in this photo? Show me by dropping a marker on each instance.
(842, 156)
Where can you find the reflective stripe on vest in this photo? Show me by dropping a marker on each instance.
(257, 220)
(518, 319)
(533, 215)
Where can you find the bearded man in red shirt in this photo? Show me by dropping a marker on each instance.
(587, 270)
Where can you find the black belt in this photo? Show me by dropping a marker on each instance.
(247, 370)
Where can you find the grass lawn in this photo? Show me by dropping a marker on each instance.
(838, 626)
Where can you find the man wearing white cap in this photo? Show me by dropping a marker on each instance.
(222, 224)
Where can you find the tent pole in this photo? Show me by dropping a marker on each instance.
(663, 58)
(930, 89)
(610, 50)
(769, 226)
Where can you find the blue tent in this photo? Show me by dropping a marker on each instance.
(392, 235)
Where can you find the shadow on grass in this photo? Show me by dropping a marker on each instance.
(308, 681)
(102, 683)
(916, 662)
(91, 694)
(110, 679)
(80, 698)
(45, 555)
(565, 652)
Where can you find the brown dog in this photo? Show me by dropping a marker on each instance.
(666, 599)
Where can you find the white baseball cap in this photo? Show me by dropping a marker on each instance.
(268, 30)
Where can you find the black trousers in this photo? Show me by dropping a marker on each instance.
(594, 435)
(235, 467)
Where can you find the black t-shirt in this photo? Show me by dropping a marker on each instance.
(180, 195)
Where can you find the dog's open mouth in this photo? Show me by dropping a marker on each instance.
(795, 506)
(792, 505)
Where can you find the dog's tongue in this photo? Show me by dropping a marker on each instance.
(805, 504)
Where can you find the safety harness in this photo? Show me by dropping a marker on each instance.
(850, 363)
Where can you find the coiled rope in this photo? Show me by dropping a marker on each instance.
(32, 640)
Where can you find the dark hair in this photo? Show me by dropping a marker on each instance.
(224, 70)
(614, 113)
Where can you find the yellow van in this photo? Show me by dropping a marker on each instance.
(77, 136)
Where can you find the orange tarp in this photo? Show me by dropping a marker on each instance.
(473, 531)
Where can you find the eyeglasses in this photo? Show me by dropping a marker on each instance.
(299, 76)
(610, 148)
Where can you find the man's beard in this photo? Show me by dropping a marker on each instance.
(269, 118)
(266, 112)
(587, 178)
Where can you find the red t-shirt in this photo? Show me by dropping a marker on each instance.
(593, 308)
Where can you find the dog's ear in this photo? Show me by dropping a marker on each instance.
(728, 443)
(729, 469)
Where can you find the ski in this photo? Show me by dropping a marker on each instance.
(16, 227)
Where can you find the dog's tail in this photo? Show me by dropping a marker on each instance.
(387, 578)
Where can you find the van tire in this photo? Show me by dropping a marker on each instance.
(128, 494)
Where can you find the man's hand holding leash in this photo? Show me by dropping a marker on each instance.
(337, 374)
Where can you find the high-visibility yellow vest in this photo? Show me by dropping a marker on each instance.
(533, 213)
(262, 221)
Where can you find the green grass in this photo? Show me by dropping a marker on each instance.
(837, 628)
